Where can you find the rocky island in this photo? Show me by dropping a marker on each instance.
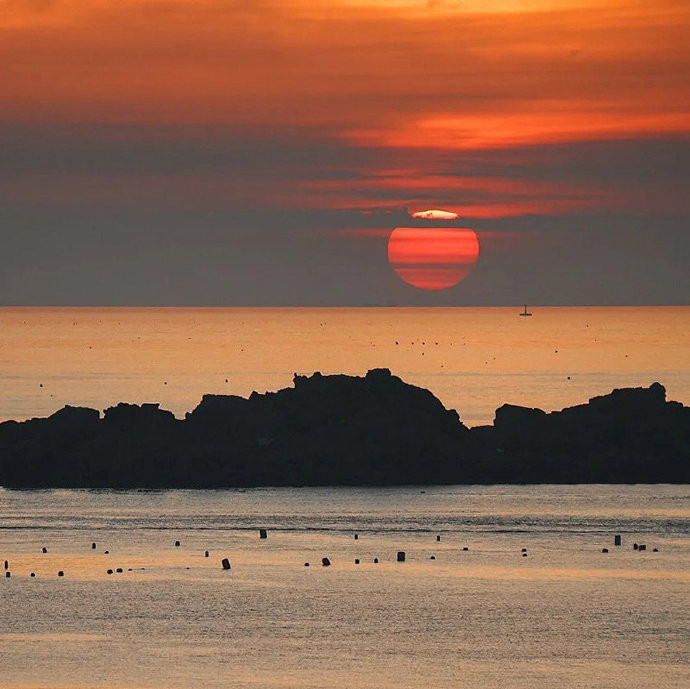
(345, 430)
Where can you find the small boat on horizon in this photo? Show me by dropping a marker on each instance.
(525, 312)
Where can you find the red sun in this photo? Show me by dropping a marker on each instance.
(433, 257)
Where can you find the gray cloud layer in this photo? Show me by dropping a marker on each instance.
(80, 225)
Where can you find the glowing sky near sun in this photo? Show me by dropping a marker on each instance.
(494, 110)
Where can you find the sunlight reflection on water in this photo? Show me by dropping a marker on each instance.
(567, 615)
(473, 360)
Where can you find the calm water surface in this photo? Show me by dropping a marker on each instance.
(474, 360)
(565, 616)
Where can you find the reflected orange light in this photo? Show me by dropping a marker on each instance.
(433, 258)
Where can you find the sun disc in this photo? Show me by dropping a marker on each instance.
(433, 258)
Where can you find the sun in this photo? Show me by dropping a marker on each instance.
(433, 258)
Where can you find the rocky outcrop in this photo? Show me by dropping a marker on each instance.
(141, 417)
(632, 435)
(345, 430)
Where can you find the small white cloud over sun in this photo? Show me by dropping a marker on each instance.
(435, 214)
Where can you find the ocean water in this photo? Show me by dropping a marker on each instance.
(473, 360)
(565, 616)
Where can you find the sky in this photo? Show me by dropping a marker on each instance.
(261, 152)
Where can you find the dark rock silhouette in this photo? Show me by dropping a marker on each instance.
(344, 430)
(628, 436)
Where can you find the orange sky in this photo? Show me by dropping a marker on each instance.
(495, 109)
(390, 74)
(571, 68)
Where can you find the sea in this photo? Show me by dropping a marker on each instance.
(473, 359)
(502, 587)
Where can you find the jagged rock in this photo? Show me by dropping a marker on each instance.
(75, 416)
(214, 408)
(131, 416)
(348, 430)
(510, 416)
